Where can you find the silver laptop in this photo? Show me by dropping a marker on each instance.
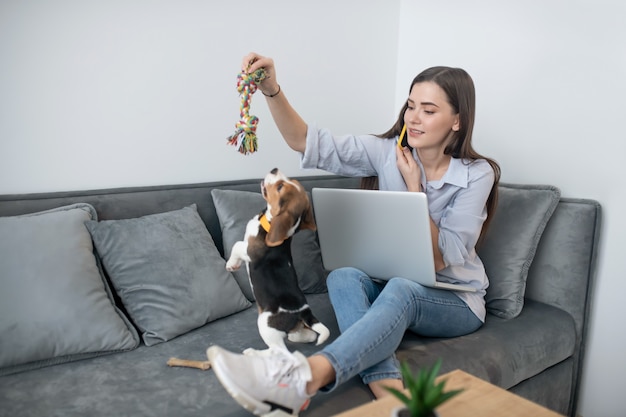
(383, 233)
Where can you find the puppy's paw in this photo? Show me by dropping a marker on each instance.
(233, 264)
(322, 331)
(303, 335)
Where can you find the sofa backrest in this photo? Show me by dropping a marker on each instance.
(560, 274)
(127, 203)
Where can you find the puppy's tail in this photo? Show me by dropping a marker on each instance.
(314, 324)
(322, 331)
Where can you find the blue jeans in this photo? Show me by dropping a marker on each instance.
(373, 317)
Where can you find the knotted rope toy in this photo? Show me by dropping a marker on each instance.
(244, 137)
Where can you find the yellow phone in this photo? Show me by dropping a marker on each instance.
(402, 140)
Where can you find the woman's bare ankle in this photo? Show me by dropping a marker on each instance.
(378, 388)
(322, 373)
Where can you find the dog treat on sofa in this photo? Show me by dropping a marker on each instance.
(203, 365)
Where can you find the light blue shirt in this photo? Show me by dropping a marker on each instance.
(457, 202)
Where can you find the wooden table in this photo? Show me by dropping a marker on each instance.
(480, 399)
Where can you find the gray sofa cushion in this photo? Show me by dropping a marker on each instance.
(235, 208)
(504, 352)
(167, 272)
(55, 306)
(511, 241)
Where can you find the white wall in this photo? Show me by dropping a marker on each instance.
(120, 93)
(98, 94)
(551, 81)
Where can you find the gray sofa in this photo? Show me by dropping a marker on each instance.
(540, 253)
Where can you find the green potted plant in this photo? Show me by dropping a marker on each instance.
(424, 394)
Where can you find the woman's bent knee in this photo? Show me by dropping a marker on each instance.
(343, 277)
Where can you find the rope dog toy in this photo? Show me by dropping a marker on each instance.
(244, 137)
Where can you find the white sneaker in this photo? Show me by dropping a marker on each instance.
(262, 384)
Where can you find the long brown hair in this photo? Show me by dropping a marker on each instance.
(459, 89)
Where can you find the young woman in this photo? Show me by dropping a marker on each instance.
(461, 186)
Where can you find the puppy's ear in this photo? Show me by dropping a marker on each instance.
(279, 228)
(307, 220)
(304, 209)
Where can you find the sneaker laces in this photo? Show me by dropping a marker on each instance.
(283, 368)
(289, 370)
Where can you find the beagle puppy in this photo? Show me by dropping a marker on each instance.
(266, 250)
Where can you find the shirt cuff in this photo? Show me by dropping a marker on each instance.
(310, 157)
